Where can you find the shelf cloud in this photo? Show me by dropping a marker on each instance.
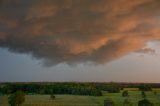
(75, 31)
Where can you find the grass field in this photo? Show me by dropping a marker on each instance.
(73, 100)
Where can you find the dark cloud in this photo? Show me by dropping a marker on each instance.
(74, 31)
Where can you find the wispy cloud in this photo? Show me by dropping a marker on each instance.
(147, 51)
(74, 31)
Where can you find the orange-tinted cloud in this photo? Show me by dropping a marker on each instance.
(74, 31)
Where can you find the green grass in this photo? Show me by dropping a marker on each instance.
(61, 100)
(73, 100)
(135, 96)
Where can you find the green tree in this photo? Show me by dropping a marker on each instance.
(125, 93)
(16, 98)
(113, 88)
(145, 87)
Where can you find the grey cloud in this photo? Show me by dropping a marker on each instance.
(74, 31)
(147, 51)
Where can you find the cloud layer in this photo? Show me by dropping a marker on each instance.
(74, 31)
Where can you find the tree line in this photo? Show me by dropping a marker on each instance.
(56, 88)
(92, 89)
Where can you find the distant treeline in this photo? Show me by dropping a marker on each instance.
(136, 85)
(92, 89)
(56, 88)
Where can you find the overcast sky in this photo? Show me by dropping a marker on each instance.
(80, 40)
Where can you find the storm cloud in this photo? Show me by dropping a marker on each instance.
(75, 31)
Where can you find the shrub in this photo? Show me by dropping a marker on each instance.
(125, 93)
(143, 94)
(145, 102)
(127, 102)
(108, 102)
(52, 96)
(155, 92)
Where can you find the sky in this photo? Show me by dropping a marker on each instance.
(79, 40)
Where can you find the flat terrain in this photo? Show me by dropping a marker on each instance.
(73, 100)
